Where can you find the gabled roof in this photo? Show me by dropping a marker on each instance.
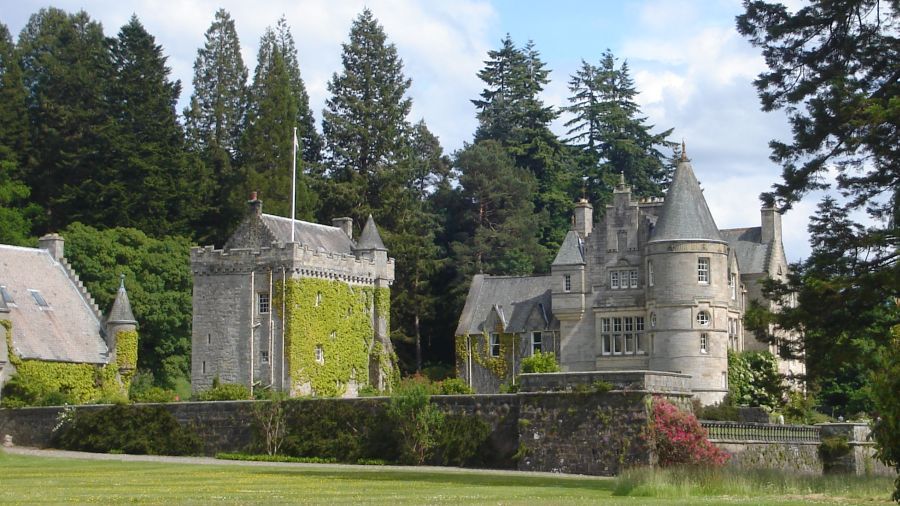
(571, 252)
(312, 235)
(517, 298)
(370, 239)
(752, 254)
(685, 215)
(121, 308)
(67, 329)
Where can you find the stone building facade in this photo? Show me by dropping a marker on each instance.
(53, 335)
(294, 306)
(654, 286)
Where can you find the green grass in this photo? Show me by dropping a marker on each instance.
(53, 480)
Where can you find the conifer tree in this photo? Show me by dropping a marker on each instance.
(67, 70)
(214, 120)
(610, 133)
(13, 108)
(280, 39)
(158, 194)
(365, 125)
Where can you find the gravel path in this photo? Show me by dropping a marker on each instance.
(64, 454)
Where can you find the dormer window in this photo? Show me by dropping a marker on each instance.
(7, 297)
(39, 299)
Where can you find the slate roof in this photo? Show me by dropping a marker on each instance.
(571, 252)
(68, 330)
(516, 297)
(369, 238)
(685, 215)
(752, 254)
(121, 308)
(312, 235)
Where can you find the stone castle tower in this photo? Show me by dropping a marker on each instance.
(653, 286)
(293, 306)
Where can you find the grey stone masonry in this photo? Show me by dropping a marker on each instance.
(654, 285)
(237, 336)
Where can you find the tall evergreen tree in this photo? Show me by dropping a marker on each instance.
(214, 120)
(267, 146)
(13, 106)
(281, 40)
(611, 134)
(365, 121)
(157, 193)
(511, 112)
(67, 68)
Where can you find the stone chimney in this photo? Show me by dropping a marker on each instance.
(584, 218)
(771, 225)
(255, 204)
(345, 224)
(53, 243)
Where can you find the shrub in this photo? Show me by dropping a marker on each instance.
(885, 385)
(338, 430)
(833, 448)
(125, 428)
(601, 387)
(154, 394)
(270, 424)
(225, 392)
(801, 409)
(540, 362)
(415, 420)
(452, 386)
(724, 411)
(753, 379)
(679, 439)
(459, 439)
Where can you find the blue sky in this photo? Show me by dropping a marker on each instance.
(694, 71)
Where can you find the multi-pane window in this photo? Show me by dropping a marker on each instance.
(7, 297)
(567, 282)
(622, 279)
(262, 302)
(39, 299)
(703, 318)
(732, 285)
(733, 333)
(622, 335)
(320, 354)
(650, 273)
(704, 343)
(495, 344)
(537, 342)
(703, 270)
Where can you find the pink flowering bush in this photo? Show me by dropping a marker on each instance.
(680, 439)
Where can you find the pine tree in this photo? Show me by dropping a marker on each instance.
(512, 113)
(610, 133)
(13, 108)
(280, 39)
(67, 70)
(214, 120)
(365, 121)
(158, 194)
(499, 215)
(267, 146)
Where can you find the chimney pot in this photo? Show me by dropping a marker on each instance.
(345, 224)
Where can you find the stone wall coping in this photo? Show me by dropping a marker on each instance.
(644, 372)
(762, 442)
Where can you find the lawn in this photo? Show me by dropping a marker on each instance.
(26, 479)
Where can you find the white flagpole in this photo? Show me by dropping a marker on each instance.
(294, 186)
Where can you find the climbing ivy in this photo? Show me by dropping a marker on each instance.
(499, 366)
(335, 318)
(78, 382)
(126, 354)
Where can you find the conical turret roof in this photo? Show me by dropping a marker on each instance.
(570, 253)
(121, 308)
(370, 239)
(685, 215)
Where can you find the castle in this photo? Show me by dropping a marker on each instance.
(655, 286)
(54, 337)
(293, 306)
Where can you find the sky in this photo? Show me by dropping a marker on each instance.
(693, 70)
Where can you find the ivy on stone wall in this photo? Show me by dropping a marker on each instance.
(329, 334)
(126, 354)
(79, 382)
(498, 366)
